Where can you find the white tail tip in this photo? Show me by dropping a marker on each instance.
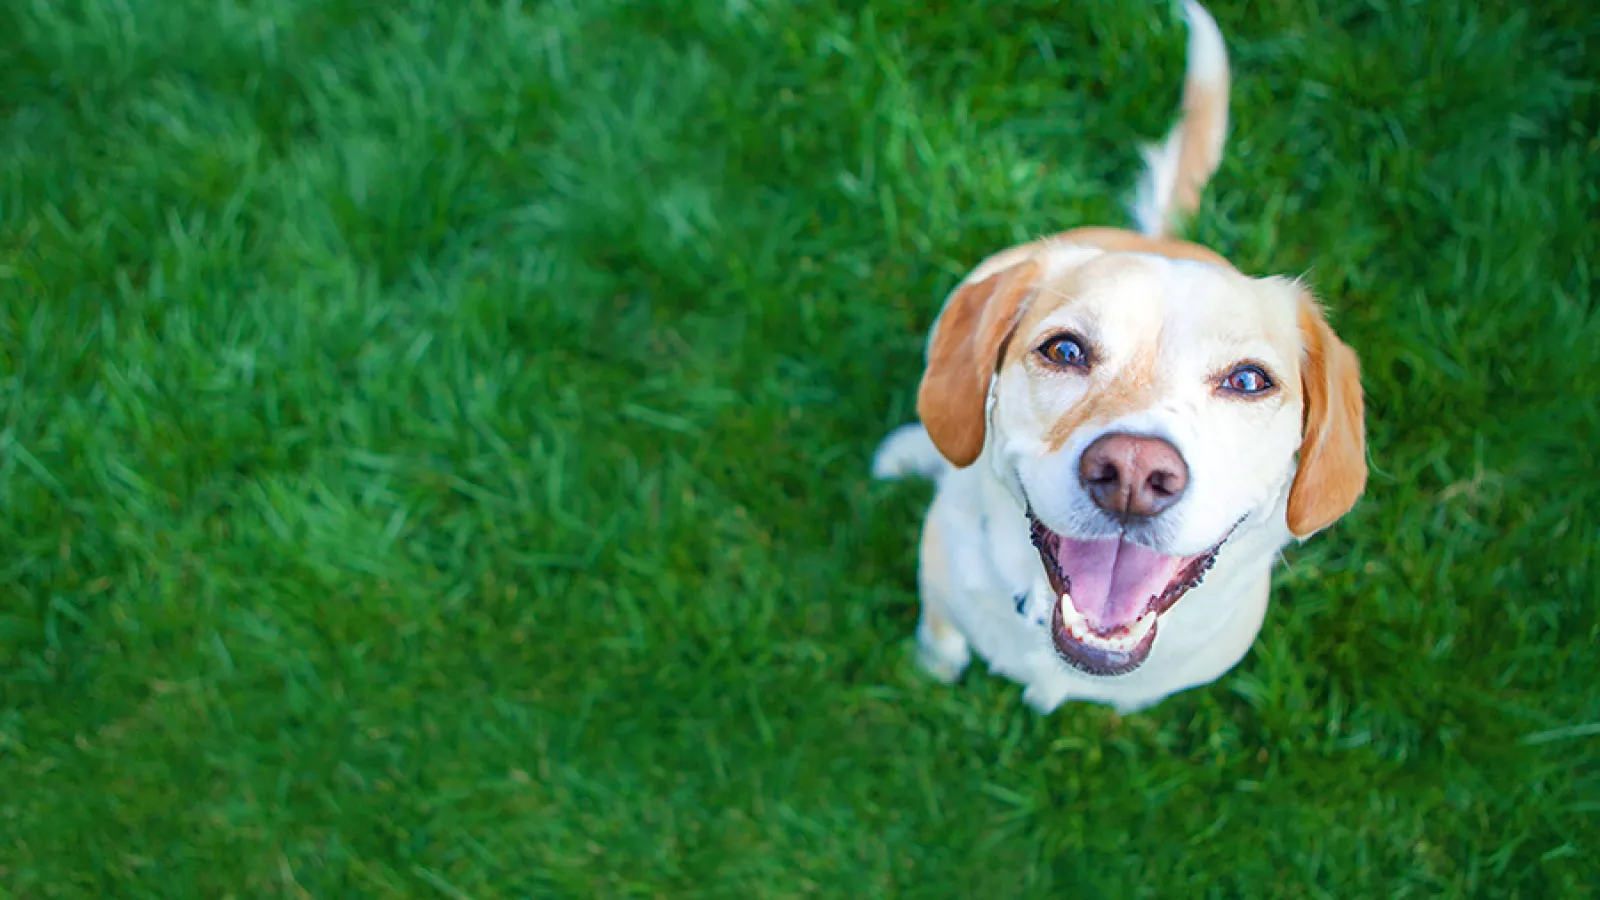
(908, 451)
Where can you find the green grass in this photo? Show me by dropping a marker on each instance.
(435, 437)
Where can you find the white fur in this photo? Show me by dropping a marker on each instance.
(1208, 52)
(908, 451)
(1153, 195)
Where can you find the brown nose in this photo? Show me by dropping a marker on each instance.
(1133, 477)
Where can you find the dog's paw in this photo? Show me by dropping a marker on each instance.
(1129, 707)
(1042, 701)
(942, 651)
(944, 660)
(943, 666)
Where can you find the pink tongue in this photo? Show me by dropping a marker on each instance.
(1112, 581)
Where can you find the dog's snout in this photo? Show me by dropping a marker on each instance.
(1131, 476)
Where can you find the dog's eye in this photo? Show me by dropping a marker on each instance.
(1065, 351)
(1247, 379)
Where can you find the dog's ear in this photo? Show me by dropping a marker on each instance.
(966, 347)
(1332, 470)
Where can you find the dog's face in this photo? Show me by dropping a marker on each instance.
(1144, 410)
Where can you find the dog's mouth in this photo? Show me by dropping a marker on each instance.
(1110, 594)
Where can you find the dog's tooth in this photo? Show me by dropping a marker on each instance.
(1116, 644)
(1070, 617)
(1142, 627)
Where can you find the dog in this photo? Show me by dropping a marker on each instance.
(1124, 431)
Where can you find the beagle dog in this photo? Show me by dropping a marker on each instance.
(1124, 431)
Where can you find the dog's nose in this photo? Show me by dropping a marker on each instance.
(1133, 477)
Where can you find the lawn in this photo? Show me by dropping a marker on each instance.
(435, 443)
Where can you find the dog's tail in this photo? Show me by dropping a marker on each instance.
(1177, 169)
(908, 451)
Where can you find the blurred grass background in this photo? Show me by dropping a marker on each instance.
(435, 437)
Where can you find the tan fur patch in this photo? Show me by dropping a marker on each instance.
(1205, 111)
(962, 358)
(1332, 471)
(1132, 389)
(1120, 240)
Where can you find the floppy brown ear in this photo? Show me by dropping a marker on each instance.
(1332, 471)
(962, 357)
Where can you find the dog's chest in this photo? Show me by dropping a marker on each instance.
(1002, 601)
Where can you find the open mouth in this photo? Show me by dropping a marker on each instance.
(1110, 595)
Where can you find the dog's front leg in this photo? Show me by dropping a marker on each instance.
(942, 649)
(1042, 694)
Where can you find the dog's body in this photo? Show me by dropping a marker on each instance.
(1124, 431)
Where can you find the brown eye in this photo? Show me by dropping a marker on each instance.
(1065, 351)
(1247, 379)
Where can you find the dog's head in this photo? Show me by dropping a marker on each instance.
(1142, 408)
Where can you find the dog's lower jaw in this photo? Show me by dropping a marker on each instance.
(1117, 650)
(1197, 645)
